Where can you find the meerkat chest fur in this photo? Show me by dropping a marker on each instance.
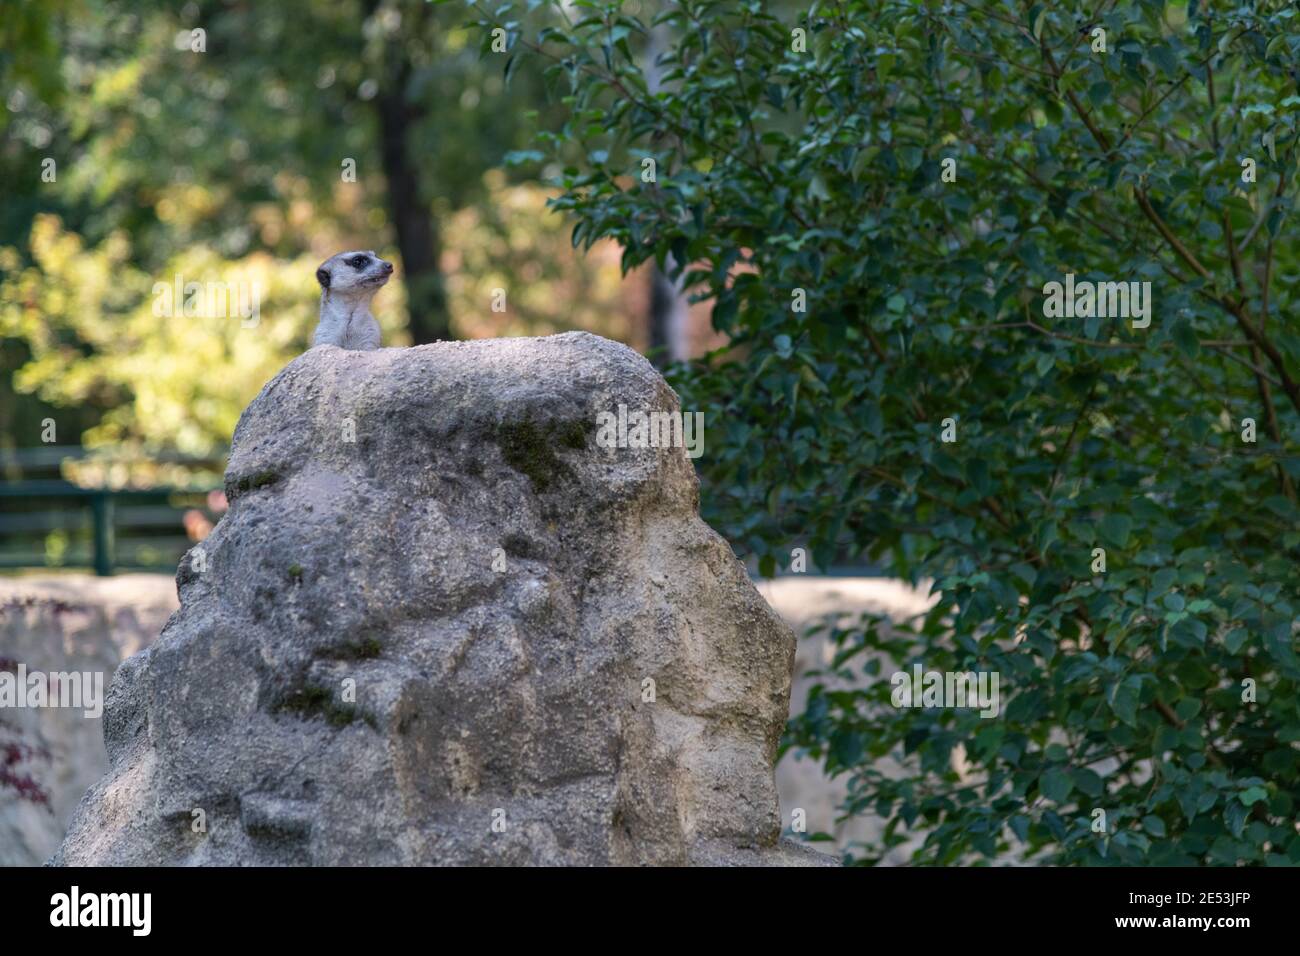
(348, 282)
(347, 324)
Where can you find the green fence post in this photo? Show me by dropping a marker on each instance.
(102, 504)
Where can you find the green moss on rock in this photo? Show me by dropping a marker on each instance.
(315, 701)
(529, 446)
(259, 480)
(361, 649)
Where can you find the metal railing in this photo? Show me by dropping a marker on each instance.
(47, 521)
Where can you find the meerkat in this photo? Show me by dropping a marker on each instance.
(348, 281)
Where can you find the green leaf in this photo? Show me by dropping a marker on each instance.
(1252, 795)
(1099, 94)
(1163, 580)
(1123, 700)
(1088, 781)
(1055, 785)
(1184, 337)
(1234, 816)
(1115, 529)
(1038, 23)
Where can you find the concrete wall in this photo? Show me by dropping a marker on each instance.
(802, 601)
(65, 623)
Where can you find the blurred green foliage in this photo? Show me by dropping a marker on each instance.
(801, 154)
(226, 165)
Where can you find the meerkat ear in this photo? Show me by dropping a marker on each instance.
(323, 277)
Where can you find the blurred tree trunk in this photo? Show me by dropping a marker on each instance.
(414, 223)
(668, 316)
(669, 309)
(409, 208)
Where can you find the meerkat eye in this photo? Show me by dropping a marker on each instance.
(358, 262)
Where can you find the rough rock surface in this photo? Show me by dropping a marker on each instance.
(499, 716)
(50, 755)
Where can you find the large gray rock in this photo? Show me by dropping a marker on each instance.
(499, 716)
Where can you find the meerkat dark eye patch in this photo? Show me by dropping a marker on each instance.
(323, 277)
(358, 262)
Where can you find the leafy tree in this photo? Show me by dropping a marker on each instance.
(513, 243)
(799, 156)
(259, 105)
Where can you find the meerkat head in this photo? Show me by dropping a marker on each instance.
(353, 273)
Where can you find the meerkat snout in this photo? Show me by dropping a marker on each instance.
(348, 282)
